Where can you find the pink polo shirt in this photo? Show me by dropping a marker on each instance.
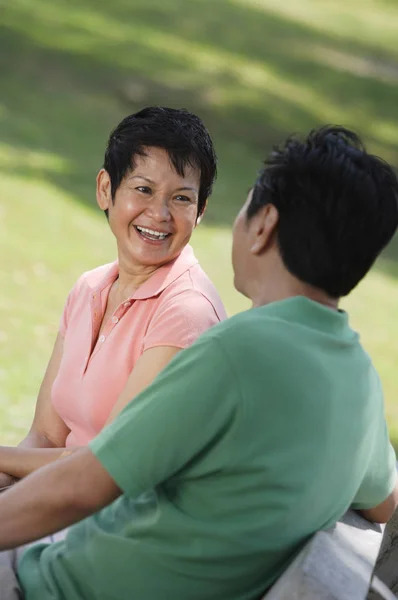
(172, 308)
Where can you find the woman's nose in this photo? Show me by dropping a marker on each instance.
(158, 208)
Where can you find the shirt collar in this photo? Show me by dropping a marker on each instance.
(159, 280)
(304, 311)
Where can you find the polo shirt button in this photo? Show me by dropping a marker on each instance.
(127, 303)
(101, 339)
(115, 319)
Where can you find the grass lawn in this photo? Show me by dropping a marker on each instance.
(254, 70)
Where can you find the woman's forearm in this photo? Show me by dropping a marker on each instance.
(21, 461)
(36, 439)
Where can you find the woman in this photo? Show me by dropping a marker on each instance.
(123, 322)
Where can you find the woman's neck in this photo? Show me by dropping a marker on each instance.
(129, 280)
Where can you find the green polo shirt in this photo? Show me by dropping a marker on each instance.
(267, 429)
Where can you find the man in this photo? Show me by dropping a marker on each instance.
(266, 430)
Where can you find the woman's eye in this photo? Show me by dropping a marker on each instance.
(183, 199)
(143, 189)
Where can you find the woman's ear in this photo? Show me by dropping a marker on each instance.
(104, 195)
(200, 217)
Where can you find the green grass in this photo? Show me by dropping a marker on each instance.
(254, 70)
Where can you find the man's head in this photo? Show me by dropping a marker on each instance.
(180, 133)
(324, 207)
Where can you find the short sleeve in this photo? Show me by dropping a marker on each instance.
(190, 408)
(381, 475)
(63, 325)
(180, 320)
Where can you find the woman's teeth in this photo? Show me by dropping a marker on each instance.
(151, 234)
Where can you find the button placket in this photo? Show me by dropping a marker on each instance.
(121, 310)
(96, 312)
(96, 309)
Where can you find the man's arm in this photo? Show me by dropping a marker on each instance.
(383, 512)
(54, 497)
(190, 408)
(377, 496)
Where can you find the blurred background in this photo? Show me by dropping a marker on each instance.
(254, 70)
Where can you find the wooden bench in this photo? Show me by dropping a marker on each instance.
(336, 564)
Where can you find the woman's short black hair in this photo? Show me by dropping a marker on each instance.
(337, 204)
(179, 132)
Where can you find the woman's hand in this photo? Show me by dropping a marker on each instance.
(6, 480)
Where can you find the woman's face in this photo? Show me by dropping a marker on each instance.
(154, 210)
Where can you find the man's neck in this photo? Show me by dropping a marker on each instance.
(289, 287)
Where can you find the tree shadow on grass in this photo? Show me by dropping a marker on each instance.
(70, 72)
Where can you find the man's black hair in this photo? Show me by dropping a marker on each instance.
(337, 205)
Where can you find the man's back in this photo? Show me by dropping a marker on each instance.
(272, 429)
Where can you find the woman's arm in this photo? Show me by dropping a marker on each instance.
(40, 447)
(21, 461)
(147, 367)
(48, 431)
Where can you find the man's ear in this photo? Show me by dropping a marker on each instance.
(264, 225)
(104, 195)
(202, 214)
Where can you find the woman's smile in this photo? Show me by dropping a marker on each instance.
(151, 235)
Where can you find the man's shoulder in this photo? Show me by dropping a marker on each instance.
(254, 323)
(250, 332)
(258, 335)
